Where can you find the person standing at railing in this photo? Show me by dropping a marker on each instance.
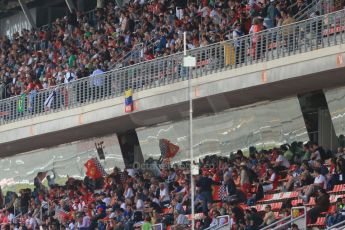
(289, 31)
(97, 83)
(317, 26)
(82, 87)
(255, 30)
(272, 11)
(239, 43)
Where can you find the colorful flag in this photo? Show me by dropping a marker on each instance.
(94, 169)
(31, 101)
(168, 150)
(49, 100)
(216, 193)
(21, 103)
(128, 101)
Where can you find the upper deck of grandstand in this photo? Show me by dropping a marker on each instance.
(261, 46)
(73, 47)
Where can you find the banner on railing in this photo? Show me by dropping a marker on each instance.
(4, 113)
(229, 54)
(129, 101)
(21, 103)
(48, 102)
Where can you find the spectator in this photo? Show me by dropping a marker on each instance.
(244, 182)
(271, 180)
(205, 190)
(269, 217)
(338, 216)
(319, 183)
(281, 162)
(322, 205)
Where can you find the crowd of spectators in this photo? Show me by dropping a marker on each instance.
(73, 47)
(140, 198)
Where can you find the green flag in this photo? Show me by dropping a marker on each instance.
(21, 102)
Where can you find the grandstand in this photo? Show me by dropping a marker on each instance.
(93, 129)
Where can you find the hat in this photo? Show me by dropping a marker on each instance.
(243, 164)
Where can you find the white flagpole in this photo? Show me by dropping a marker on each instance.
(190, 131)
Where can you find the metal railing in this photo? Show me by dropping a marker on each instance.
(276, 222)
(322, 6)
(282, 223)
(300, 37)
(218, 226)
(135, 55)
(158, 226)
(339, 225)
(290, 222)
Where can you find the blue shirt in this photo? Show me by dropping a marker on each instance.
(95, 79)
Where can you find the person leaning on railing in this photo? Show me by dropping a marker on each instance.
(288, 31)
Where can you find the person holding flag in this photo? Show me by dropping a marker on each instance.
(205, 184)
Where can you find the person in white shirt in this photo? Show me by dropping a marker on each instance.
(282, 162)
(97, 81)
(71, 226)
(32, 223)
(129, 191)
(268, 185)
(164, 197)
(319, 183)
(315, 153)
(84, 221)
(70, 76)
(139, 203)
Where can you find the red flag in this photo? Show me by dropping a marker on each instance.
(168, 150)
(215, 193)
(94, 169)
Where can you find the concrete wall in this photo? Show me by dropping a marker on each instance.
(16, 23)
(257, 82)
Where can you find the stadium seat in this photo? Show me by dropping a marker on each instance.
(320, 222)
(340, 188)
(296, 202)
(311, 201)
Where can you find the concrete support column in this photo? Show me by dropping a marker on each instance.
(81, 5)
(27, 13)
(70, 5)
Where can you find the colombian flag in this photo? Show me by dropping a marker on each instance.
(128, 101)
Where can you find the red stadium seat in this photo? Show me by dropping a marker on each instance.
(340, 188)
(311, 201)
(320, 222)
